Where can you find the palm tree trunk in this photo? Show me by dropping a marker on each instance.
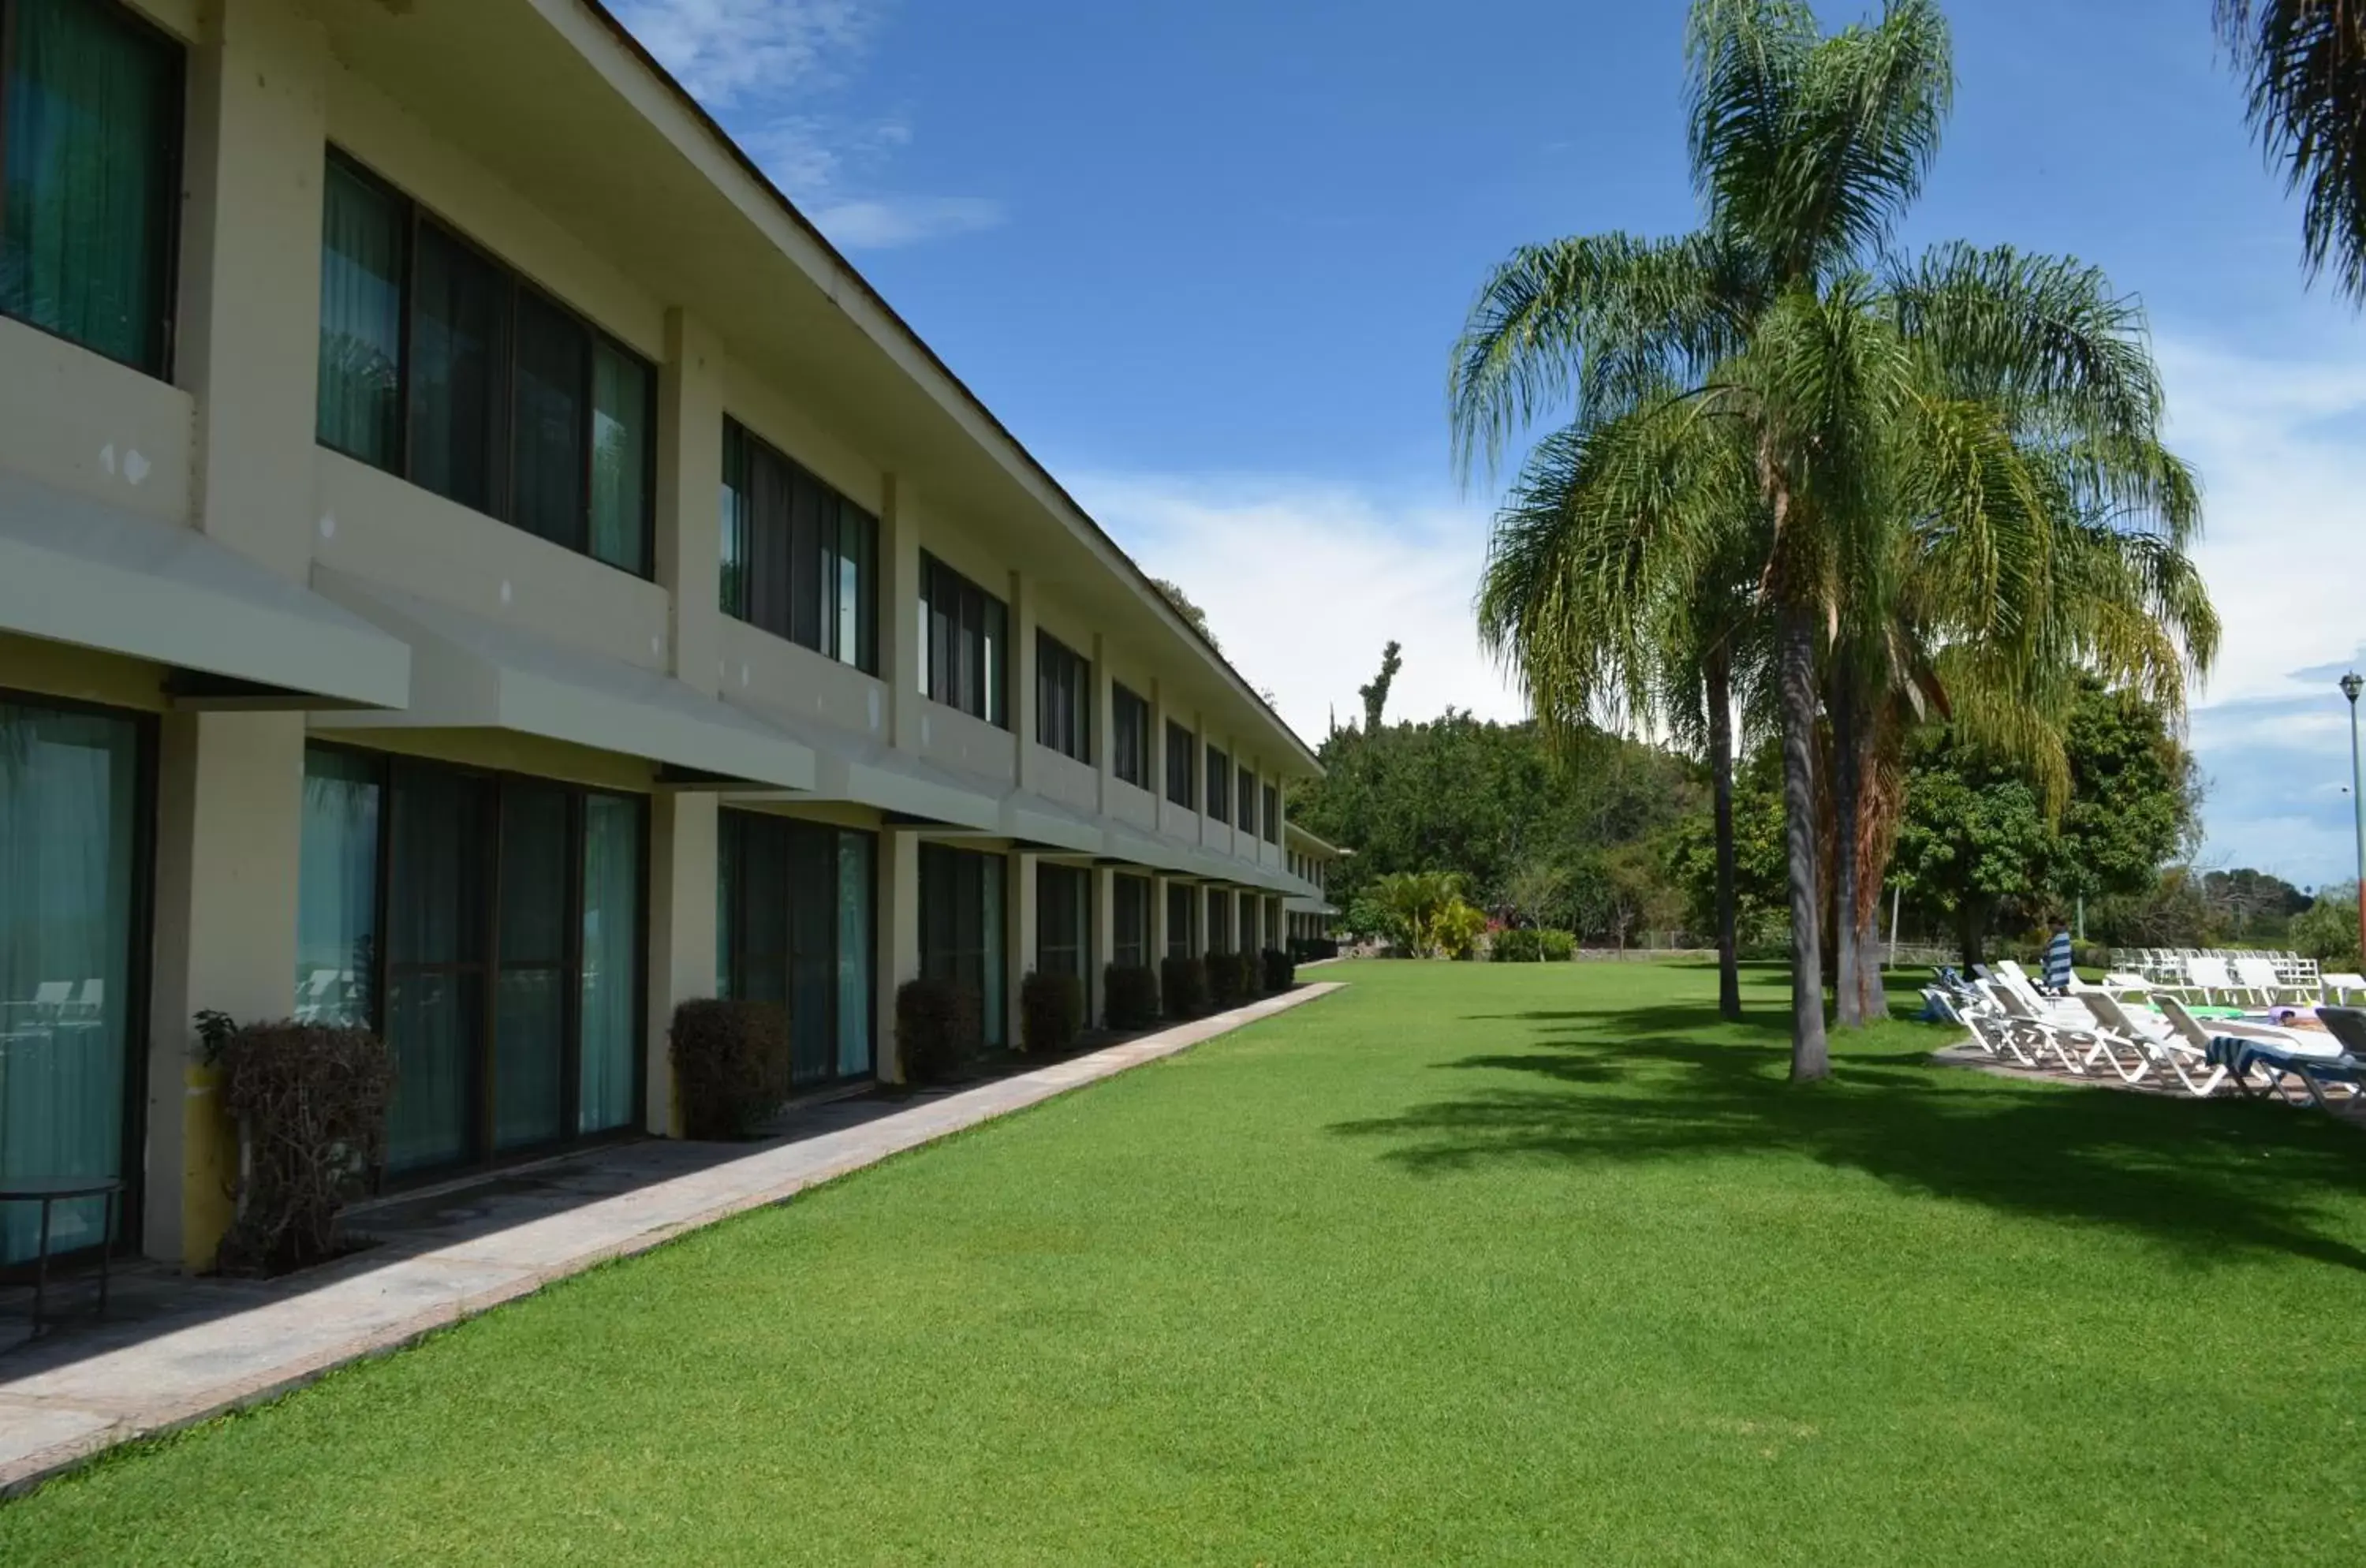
(1796, 658)
(1847, 989)
(1720, 680)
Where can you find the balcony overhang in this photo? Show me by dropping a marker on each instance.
(75, 570)
(468, 673)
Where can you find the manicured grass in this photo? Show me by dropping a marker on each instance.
(1499, 1264)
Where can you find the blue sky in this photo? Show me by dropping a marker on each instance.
(1207, 259)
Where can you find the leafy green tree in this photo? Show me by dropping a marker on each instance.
(1376, 695)
(2327, 930)
(1956, 444)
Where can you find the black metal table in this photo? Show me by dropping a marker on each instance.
(49, 1192)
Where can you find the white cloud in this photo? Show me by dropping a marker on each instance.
(766, 69)
(2282, 448)
(724, 50)
(879, 223)
(1303, 583)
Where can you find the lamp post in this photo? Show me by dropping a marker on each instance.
(2350, 686)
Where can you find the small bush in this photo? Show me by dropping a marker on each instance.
(1555, 947)
(1309, 949)
(1458, 930)
(1518, 946)
(1252, 966)
(730, 1064)
(939, 1028)
(1183, 982)
(311, 1100)
(1133, 993)
(1280, 970)
(1050, 1012)
(1223, 981)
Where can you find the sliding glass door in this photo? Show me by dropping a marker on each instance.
(1063, 919)
(961, 925)
(795, 915)
(511, 964)
(72, 848)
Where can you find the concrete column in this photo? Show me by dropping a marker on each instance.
(1018, 937)
(229, 796)
(690, 478)
(1100, 943)
(897, 909)
(682, 936)
(1022, 676)
(249, 343)
(903, 662)
(1158, 886)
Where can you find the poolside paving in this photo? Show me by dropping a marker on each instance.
(175, 1351)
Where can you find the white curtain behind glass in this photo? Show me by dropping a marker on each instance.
(68, 792)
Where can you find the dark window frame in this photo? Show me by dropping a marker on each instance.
(1270, 821)
(1130, 949)
(1063, 698)
(140, 963)
(1182, 767)
(1244, 798)
(478, 1135)
(742, 447)
(959, 670)
(167, 264)
(1220, 784)
(730, 838)
(415, 218)
(1128, 735)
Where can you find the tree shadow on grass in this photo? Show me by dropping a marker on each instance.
(2213, 1178)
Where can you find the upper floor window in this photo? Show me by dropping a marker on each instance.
(90, 177)
(1220, 785)
(1130, 736)
(442, 364)
(1063, 697)
(799, 559)
(1248, 799)
(1273, 814)
(1181, 763)
(967, 633)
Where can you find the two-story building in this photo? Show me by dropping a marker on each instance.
(474, 561)
(1308, 916)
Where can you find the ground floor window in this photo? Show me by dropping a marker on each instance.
(796, 927)
(1182, 911)
(491, 927)
(1064, 917)
(1220, 921)
(962, 925)
(73, 881)
(1130, 918)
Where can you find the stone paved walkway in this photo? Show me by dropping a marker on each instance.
(180, 1351)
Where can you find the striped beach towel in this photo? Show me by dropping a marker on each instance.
(2057, 964)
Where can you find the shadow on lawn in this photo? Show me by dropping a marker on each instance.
(2213, 1178)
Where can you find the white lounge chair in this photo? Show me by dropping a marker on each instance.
(2261, 977)
(2337, 987)
(2279, 1053)
(2209, 976)
(2074, 1048)
(2155, 1048)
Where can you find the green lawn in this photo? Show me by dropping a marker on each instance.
(1530, 1264)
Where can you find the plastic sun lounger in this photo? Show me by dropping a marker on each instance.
(2055, 1038)
(2275, 1054)
(2155, 1048)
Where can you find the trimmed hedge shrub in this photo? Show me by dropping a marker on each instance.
(1280, 970)
(1307, 949)
(939, 1028)
(730, 1063)
(1520, 946)
(1223, 981)
(310, 1099)
(1183, 982)
(1556, 947)
(1252, 967)
(1050, 1012)
(1132, 992)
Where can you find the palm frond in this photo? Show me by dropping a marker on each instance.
(2304, 62)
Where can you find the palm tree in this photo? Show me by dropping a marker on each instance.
(2304, 64)
(1774, 384)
